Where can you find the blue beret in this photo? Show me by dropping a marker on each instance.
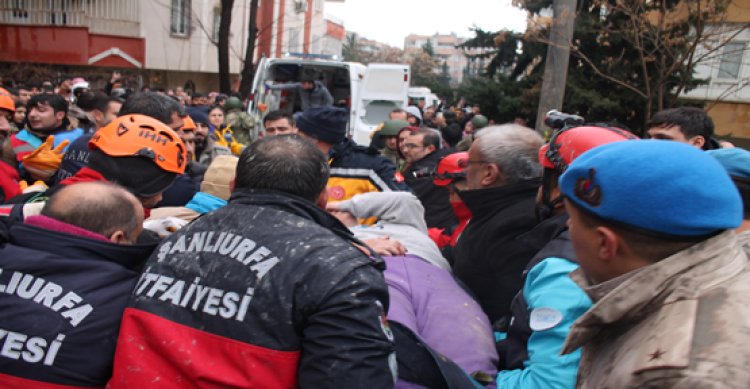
(735, 160)
(662, 186)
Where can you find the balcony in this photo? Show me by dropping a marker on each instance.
(106, 17)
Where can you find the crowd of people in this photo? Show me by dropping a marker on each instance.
(153, 240)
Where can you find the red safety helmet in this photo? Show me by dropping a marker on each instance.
(142, 136)
(569, 143)
(451, 167)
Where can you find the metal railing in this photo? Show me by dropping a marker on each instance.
(112, 17)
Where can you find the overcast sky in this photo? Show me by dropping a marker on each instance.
(390, 21)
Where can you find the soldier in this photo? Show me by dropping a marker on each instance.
(651, 225)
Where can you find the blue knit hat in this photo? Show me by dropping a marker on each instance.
(669, 188)
(325, 123)
(735, 160)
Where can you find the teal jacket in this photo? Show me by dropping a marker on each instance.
(554, 302)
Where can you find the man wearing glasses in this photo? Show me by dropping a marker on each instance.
(502, 177)
(422, 151)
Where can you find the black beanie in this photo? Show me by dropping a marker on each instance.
(327, 124)
(139, 175)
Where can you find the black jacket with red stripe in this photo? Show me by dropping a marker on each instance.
(267, 292)
(61, 300)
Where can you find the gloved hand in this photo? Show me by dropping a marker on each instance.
(164, 226)
(43, 162)
(225, 137)
(220, 139)
(38, 186)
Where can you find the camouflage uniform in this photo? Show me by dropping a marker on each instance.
(682, 322)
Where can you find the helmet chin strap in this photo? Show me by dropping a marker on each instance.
(547, 207)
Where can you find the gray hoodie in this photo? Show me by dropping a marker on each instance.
(401, 217)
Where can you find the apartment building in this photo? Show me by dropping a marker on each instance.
(166, 43)
(727, 95)
(447, 52)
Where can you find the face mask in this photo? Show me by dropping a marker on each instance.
(461, 210)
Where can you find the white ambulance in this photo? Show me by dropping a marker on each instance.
(368, 92)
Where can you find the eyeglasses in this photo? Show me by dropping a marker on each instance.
(412, 146)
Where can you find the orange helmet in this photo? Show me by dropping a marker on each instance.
(569, 143)
(142, 136)
(188, 124)
(451, 167)
(7, 103)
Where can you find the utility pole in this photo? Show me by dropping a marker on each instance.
(558, 55)
(248, 69)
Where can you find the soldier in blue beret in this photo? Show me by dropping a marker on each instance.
(652, 225)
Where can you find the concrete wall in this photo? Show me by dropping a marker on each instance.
(195, 52)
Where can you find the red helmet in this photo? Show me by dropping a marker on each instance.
(569, 143)
(142, 136)
(450, 168)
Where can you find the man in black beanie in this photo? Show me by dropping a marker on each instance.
(354, 169)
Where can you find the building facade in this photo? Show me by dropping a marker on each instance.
(165, 43)
(445, 47)
(727, 67)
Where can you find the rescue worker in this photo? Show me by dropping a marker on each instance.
(451, 174)
(549, 303)
(135, 151)
(66, 277)
(257, 293)
(652, 226)
(354, 169)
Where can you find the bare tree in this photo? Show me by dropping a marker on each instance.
(661, 41)
(223, 45)
(248, 69)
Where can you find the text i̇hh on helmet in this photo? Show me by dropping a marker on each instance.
(142, 136)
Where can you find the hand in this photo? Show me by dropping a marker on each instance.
(164, 226)
(115, 77)
(344, 217)
(37, 186)
(385, 246)
(43, 162)
(333, 206)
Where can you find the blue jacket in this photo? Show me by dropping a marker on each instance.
(61, 298)
(543, 312)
